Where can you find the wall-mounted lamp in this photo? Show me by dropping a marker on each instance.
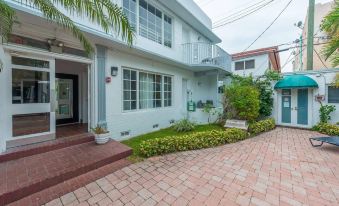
(55, 45)
(114, 71)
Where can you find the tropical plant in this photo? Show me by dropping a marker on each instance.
(109, 16)
(330, 25)
(243, 102)
(197, 140)
(326, 128)
(261, 126)
(210, 110)
(325, 112)
(99, 130)
(184, 125)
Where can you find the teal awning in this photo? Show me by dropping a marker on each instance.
(296, 81)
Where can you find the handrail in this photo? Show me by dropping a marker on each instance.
(201, 53)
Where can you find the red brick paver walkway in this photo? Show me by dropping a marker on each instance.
(276, 168)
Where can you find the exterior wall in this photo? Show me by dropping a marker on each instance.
(324, 79)
(175, 53)
(261, 65)
(321, 10)
(4, 115)
(142, 121)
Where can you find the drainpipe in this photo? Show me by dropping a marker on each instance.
(301, 52)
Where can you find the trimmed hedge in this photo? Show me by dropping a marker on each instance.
(262, 126)
(326, 128)
(193, 141)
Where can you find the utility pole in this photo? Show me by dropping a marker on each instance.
(310, 34)
(301, 52)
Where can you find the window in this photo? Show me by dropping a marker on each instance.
(30, 62)
(150, 22)
(26, 124)
(250, 64)
(144, 90)
(129, 89)
(167, 31)
(333, 94)
(30, 86)
(149, 90)
(167, 91)
(241, 65)
(130, 9)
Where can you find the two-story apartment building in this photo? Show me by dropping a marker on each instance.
(48, 81)
(256, 62)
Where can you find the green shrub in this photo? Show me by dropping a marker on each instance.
(326, 128)
(325, 112)
(243, 101)
(262, 126)
(193, 141)
(183, 125)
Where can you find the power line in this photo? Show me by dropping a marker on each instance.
(270, 24)
(320, 58)
(240, 15)
(240, 11)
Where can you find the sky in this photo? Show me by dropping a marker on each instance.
(238, 35)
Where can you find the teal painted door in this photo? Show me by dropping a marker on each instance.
(286, 106)
(302, 106)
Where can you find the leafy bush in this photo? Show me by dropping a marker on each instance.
(183, 125)
(325, 112)
(243, 101)
(193, 141)
(262, 126)
(326, 128)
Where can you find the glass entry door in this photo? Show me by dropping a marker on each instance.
(67, 98)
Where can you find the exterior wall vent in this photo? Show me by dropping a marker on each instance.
(155, 126)
(125, 133)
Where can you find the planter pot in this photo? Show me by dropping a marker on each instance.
(102, 138)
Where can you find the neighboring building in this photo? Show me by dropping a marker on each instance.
(320, 39)
(298, 96)
(48, 81)
(256, 62)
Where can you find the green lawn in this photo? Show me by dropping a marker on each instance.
(135, 141)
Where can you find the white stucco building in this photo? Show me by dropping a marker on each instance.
(48, 81)
(299, 95)
(256, 62)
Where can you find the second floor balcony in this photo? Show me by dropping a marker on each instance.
(206, 55)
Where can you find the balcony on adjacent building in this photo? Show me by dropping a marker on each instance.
(206, 56)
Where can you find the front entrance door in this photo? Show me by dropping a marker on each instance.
(286, 106)
(67, 98)
(302, 108)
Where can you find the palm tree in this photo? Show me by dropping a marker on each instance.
(330, 25)
(102, 12)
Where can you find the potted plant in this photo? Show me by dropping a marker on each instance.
(101, 134)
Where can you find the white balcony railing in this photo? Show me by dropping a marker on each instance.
(27, 3)
(206, 54)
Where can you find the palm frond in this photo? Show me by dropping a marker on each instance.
(330, 25)
(53, 14)
(7, 18)
(102, 12)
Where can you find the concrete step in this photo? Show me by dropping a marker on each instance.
(33, 149)
(25, 176)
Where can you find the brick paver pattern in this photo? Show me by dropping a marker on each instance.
(275, 168)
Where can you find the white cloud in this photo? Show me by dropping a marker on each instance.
(240, 34)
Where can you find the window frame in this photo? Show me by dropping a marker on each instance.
(244, 64)
(328, 95)
(138, 71)
(134, 12)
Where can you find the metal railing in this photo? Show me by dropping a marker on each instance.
(204, 53)
(27, 3)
